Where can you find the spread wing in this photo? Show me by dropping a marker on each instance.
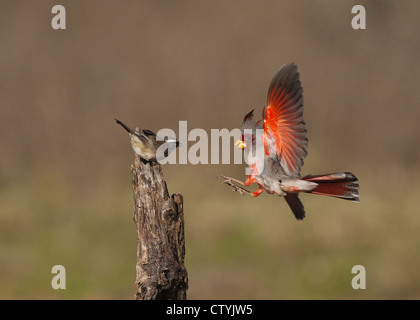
(284, 129)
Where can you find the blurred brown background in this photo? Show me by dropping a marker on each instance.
(65, 192)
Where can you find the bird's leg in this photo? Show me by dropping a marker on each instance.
(228, 181)
(258, 192)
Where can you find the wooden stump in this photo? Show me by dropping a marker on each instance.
(159, 219)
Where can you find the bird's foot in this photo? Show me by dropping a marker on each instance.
(229, 182)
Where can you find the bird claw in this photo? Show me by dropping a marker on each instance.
(223, 177)
(239, 189)
(228, 181)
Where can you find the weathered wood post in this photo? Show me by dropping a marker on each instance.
(159, 219)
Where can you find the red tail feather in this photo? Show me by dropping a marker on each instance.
(343, 185)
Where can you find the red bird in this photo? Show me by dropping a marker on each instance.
(284, 142)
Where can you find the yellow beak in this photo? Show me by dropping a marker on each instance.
(240, 144)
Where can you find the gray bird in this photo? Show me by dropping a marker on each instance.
(148, 146)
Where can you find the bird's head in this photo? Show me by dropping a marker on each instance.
(249, 126)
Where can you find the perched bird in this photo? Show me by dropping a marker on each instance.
(283, 146)
(149, 146)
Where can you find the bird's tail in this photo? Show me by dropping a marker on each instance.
(124, 126)
(343, 185)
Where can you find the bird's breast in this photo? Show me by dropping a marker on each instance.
(144, 151)
(271, 184)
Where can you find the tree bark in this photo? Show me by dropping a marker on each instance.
(159, 219)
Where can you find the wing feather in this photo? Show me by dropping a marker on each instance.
(284, 128)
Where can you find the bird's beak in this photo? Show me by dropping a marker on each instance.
(240, 144)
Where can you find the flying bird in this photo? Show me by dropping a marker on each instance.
(282, 133)
(148, 146)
